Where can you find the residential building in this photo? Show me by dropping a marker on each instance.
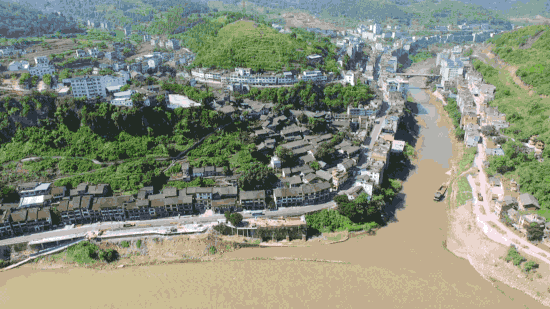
(59, 192)
(41, 70)
(173, 44)
(251, 200)
(88, 86)
(398, 146)
(176, 100)
(315, 193)
(18, 65)
(314, 59)
(527, 201)
(508, 202)
(366, 182)
(313, 76)
(288, 197)
(39, 189)
(80, 53)
(99, 190)
(339, 177)
(349, 78)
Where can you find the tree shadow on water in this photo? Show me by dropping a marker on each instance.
(397, 204)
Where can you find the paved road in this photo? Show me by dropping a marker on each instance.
(485, 220)
(285, 212)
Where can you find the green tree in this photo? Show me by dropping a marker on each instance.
(285, 155)
(125, 87)
(235, 218)
(535, 232)
(25, 78)
(315, 165)
(47, 78)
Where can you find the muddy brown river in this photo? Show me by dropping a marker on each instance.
(403, 266)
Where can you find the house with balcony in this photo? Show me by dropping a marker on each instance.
(251, 200)
(110, 208)
(202, 197)
(316, 193)
(288, 197)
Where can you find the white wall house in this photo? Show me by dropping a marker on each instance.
(349, 78)
(88, 86)
(41, 70)
(123, 98)
(176, 100)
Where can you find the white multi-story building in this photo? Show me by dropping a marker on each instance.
(41, 60)
(313, 76)
(80, 53)
(243, 71)
(123, 98)
(41, 70)
(451, 69)
(377, 29)
(349, 78)
(198, 73)
(88, 86)
(93, 52)
(173, 44)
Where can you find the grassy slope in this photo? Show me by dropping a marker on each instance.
(251, 45)
(534, 62)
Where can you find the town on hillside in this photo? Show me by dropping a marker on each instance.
(349, 157)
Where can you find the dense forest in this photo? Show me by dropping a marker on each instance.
(17, 21)
(80, 130)
(312, 97)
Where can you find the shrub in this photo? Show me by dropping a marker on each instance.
(138, 243)
(4, 263)
(529, 266)
(82, 253)
(108, 255)
(514, 256)
(125, 244)
(212, 250)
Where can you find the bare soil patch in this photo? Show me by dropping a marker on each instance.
(303, 20)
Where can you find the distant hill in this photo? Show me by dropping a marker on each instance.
(220, 42)
(17, 21)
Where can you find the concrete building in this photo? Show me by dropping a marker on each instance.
(349, 78)
(88, 86)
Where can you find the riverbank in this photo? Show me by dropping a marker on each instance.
(468, 241)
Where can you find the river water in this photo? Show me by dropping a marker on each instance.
(403, 266)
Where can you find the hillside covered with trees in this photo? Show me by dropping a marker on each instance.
(18, 21)
(222, 40)
(528, 116)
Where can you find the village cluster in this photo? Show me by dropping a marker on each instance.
(358, 166)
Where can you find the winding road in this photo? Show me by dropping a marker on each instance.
(485, 220)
